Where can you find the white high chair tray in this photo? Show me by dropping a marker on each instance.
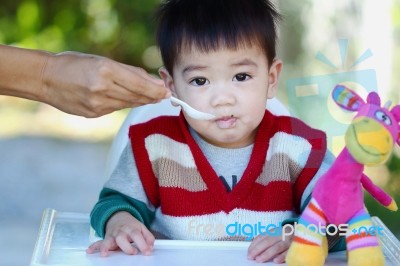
(63, 238)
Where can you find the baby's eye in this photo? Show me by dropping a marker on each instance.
(241, 77)
(199, 81)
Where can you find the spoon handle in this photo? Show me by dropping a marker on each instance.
(176, 100)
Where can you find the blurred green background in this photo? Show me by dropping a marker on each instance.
(124, 31)
(121, 30)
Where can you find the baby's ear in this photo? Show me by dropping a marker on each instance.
(273, 77)
(347, 98)
(168, 80)
(396, 113)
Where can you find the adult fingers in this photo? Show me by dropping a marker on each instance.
(101, 105)
(117, 92)
(139, 81)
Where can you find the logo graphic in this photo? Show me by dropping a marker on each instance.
(309, 97)
(249, 231)
(252, 230)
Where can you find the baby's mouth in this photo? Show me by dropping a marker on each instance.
(226, 121)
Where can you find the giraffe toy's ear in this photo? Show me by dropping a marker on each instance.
(396, 113)
(373, 98)
(346, 98)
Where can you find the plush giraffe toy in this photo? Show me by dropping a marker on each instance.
(338, 196)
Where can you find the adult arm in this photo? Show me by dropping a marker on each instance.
(76, 83)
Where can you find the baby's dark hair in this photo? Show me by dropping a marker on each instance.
(208, 25)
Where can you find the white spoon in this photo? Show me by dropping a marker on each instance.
(193, 113)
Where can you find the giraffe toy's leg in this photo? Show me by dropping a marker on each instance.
(309, 246)
(363, 247)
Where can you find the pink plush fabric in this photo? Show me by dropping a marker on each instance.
(339, 192)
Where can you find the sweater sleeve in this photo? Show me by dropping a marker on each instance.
(122, 192)
(306, 196)
(327, 162)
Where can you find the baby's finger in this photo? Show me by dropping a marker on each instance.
(106, 245)
(272, 252)
(125, 245)
(260, 244)
(257, 239)
(94, 247)
(280, 258)
(142, 244)
(148, 237)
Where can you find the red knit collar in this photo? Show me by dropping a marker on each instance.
(230, 200)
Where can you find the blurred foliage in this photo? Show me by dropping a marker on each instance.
(121, 29)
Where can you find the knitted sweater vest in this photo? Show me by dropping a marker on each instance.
(190, 200)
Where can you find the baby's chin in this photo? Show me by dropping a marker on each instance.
(230, 141)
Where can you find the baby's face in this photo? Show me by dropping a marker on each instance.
(234, 85)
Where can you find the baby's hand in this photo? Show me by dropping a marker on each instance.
(266, 247)
(123, 229)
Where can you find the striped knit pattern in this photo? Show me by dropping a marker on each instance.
(307, 228)
(189, 196)
(358, 235)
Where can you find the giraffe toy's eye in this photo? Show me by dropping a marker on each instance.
(383, 117)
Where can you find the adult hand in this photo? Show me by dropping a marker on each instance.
(76, 83)
(91, 85)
